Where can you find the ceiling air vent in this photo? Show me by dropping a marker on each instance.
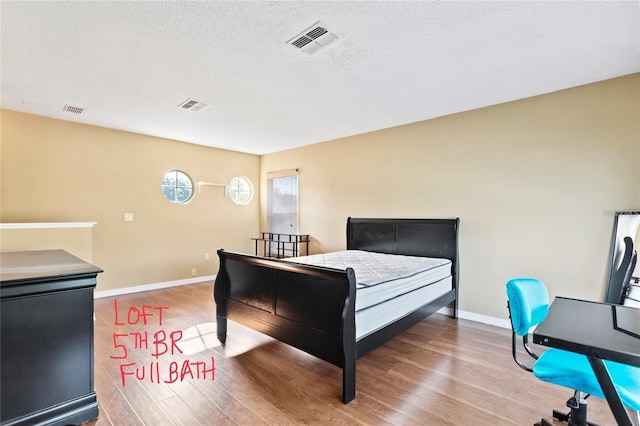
(314, 38)
(193, 105)
(74, 109)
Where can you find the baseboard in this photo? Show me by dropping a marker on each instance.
(148, 287)
(484, 319)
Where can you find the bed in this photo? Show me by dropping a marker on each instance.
(313, 307)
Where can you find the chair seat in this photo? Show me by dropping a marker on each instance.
(574, 371)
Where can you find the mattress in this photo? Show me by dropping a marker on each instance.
(376, 317)
(383, 277)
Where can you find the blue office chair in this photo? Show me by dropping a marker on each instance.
(621, 277)
(528, 303)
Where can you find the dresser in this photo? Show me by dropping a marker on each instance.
(46, 338)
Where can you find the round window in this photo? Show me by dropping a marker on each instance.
(177, 187)
(240, 190)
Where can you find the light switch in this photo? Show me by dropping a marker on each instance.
(128, 217)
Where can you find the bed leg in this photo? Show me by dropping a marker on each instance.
(455, 307)
(349, 380)
(221, 323)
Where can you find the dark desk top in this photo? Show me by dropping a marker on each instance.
(20, 266)
(599, 329)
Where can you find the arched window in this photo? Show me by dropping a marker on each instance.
(240, 190)
(177, 187)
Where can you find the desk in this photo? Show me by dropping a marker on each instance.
(286, 244)
(599, 331)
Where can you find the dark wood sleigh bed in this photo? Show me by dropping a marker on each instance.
(313, 308)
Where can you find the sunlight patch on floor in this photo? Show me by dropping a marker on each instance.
(199, 338)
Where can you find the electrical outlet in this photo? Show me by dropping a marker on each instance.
(194, 272)
(128, 217)
(206, 256)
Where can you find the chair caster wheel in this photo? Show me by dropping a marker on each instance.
(543, 422)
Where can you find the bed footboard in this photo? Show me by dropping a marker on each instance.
(310, 308)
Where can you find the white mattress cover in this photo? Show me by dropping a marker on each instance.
(381, 277)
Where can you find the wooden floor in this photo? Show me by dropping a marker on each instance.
(440, 372)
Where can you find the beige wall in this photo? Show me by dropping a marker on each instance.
(75, 240)
(533, 182)
(57, 171)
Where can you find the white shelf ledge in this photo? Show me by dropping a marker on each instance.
(47, 225)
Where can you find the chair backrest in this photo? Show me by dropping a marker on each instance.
(627, 280)
(621, 277)
(528, 303)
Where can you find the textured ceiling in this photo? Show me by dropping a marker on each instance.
(132, 63)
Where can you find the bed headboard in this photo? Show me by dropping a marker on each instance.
(413, 237)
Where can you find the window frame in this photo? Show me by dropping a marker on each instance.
(176, 186)
(270, 177)
(251, 190)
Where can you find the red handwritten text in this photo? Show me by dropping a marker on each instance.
(177, 372)
(159, 343)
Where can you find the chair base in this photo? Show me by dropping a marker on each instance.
(576, 417)
(545, 422)
(563, 418)
(567, 418)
